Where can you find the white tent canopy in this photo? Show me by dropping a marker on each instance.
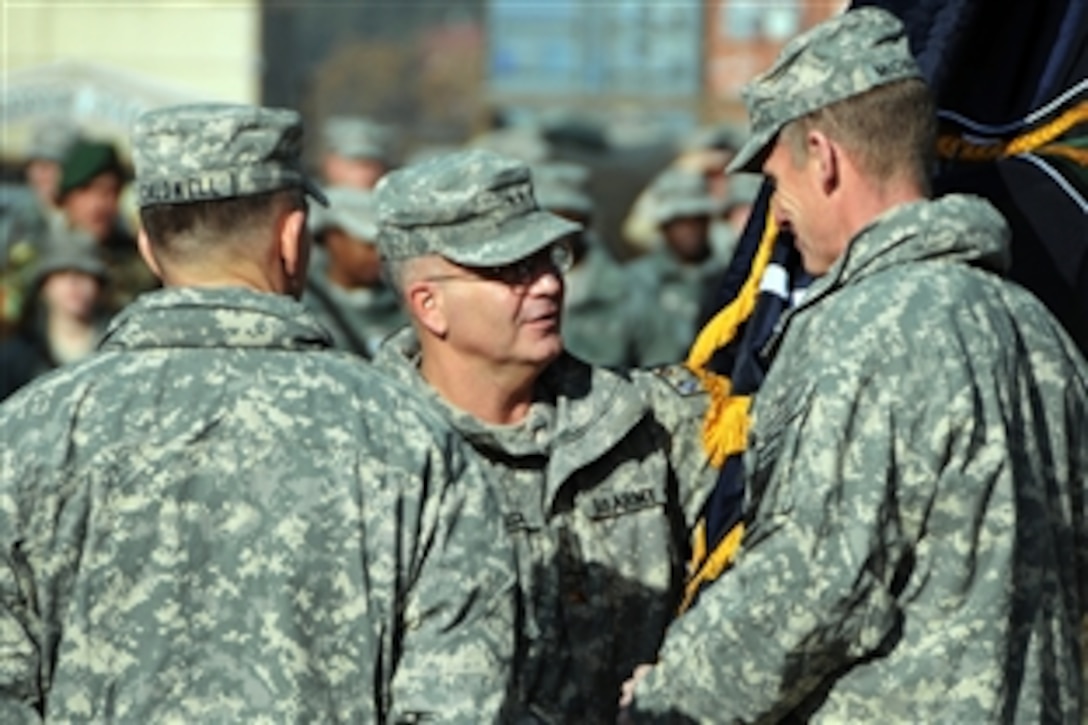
(101, 100)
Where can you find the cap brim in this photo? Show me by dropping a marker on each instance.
(359, 230)
(708, 207)
(750, 157)
(314, 191)
(522, 237)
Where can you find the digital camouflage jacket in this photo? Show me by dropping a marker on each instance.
(599, 484)
(217, 518)
(916, 549)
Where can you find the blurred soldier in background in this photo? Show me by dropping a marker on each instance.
(725, 232)
(344, 287)
(217, 518)
(358, 152)
(92, 177)
(669, 284)
(62, 317)
(89, 192)
(27, 223)
(914, 540)
(598, 471)
(597, 323)
(27, 215)
(728, 224)
(707, 151)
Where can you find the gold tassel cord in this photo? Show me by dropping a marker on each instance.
(1038, 140)
(725, 426)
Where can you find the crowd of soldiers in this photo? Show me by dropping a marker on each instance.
(75, 224)
(411, 445)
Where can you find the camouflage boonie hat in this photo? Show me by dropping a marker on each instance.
(680, 193)
(839, 58)
(351, 209)
(209, 151)
(359, 138)
(561, 186)
(473, 207)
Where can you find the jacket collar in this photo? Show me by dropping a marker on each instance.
(956, 228)
(214, 317)
(579, 413)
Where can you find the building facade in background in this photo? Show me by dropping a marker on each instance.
(742, 38)
(102, 64)
(678, 63)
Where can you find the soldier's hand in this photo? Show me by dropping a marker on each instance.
(627, 693)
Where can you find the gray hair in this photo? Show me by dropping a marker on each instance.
(395, 273)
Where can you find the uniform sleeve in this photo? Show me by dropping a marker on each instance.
(20, 664)
(679, 403)
(457, 628)
(813, 588)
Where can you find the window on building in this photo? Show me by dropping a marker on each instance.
(748, 20)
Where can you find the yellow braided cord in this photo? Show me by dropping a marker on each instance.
(725, 426)
(723, 326)
(955, 146)
(1045, 134)
(1078, 156)
(722, 557)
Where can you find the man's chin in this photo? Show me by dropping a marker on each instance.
(548, 348)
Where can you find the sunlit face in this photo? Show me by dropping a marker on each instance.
(94, 207)
(799, 206)
(357, 173)
(71, 293)
(504, 317)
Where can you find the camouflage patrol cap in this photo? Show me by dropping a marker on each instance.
(839, 58)
(358, 138)
(561, 186)
(209, 151)
(680, 193)
(473, 207)
(350, 209)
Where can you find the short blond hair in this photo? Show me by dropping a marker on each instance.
(889, 131)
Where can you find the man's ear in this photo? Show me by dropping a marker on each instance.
(147, 252)
(825, 156)
(294, 244)
(424, 301)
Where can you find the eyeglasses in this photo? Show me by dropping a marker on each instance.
(557, 257)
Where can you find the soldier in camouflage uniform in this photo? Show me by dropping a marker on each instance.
(598, 326)
(24, 218)
(218, 518)
(917, 462)
(92, 178)
(344, 286)
(599, 472)
(668, 285)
